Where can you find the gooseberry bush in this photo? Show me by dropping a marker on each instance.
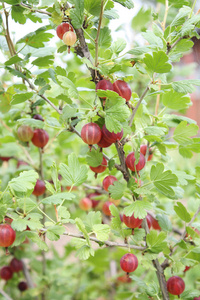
(99, 166)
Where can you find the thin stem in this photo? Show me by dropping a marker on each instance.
(137, 106)
(34, 9)
(46, 215)
(193, 7)
(165, 16)
(157, 100)
(98, 33)
(91, 38)
(6, 296)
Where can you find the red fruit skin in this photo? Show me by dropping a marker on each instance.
(101, 168)
(21, 163)
(111, 137)
(40, 138)
(103, 143)
(85, 204)
(39, 188)
(104, 85)
(132, 222)
(22, 286)
(94, 202)
(155, 224)
(7, 235)
(149, 221)
(69, 38)
(186, 269)
(6, 273)
(130, 162)
(25, 133)
(105, 208)
(91, 133)
(123, 89)
(175, 285)
(108, 180)
(5, 158)
(124, 279)
(16, 265)
(143, 150)
(196, 298)
(129, 263)
(62, 28)
(8, 220)
(38, 117)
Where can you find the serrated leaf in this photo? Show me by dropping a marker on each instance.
(58, 198)
(69, 111)
(85, 252)
(25, 182)
(155, 130)
(117, 190)
(22, 97)
(156, 241)
(54, 232)
(94, 158)
(175, 100)
(69, 85)
(80, 225)
(93, 218)
(74, 173)
(163, 180)
(182, 212)
(164, 222)
(19, 224)
(43, 61)
(118, 46)
(183, 132)
(41, 244)
(115, 221)
(139, 209)
(126, 3)
(152, 39)
(102, 231)
(13, 60)
(77, 13)
(3, 211)
(185, 86)
(158, 62)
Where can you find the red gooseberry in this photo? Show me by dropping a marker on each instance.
(85, 204)
(143, 150)
(104, 85)
(101, 168)
(16, 265)
(91, 133)
(6, 273)
(106, 209)
(103, 143)
(38, 117)
(40, 138)
(22, 286)
(130, 162)
(131, 221)
(5, 158)
(108, 180)
(111, 137)
(123, 89)
(149, 221)
(155, 224)
(39, 188)
(25, 133)
(129, 262)
(175, 285)
(7, 235)
(62, 28)
(92, 197)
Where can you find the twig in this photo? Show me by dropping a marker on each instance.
(122, 159)
(98, 33)
(27, 275)
(170, 47)
(137, 106)
(165, 16)
(6, 296)
(34, 9)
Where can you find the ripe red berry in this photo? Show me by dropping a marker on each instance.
(8, 220)
(40, 138)
(21, 163)
(123, 89)
(103, 143)
(62, 28)
(91, 133)
(175, 285)
(108, 180)
(38, 117)
(130, 162)
(25, 133)
(104, 85)
(129, 262)
(5, 158)
(39, 188)
(196, 298)
(131, 221)
(85, 204)
(92, 197)
(101, 168)
(106, 209)
(143, 150)
(7, 235)
(6, 273)
(22, 286)
(16, 265)
(69, 38)
(111, 137)
(149, 221)
(155, 224)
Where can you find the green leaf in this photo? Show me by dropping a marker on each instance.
(126, 3)
(104, 37)
(163, 180)
(156, 241)
(181, 16)
(158, 62)
(117, 190)
(80, 225)
(54, 232)
(25, 182)
(93, 7)
(85, 252)
(17, 14)
(73, 174)
(183, 177)
(58, 198)
(141, 19)
(94, 158)
(183, 132)
(118, 46)
(69, 111)
(41, 244)
(22, 97)
(31, 122)
(175, 100)
(152, 39)
(43, 61)
(77, 13)
(3, 212)
(69, 85)
(93, 218)
(185, 86)
(155, 130)
(13, 60)
(102, 231)
(115, 221)
(182, 212)
(19, 224)
(164, 222)
(139, 209)
(37, 38)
